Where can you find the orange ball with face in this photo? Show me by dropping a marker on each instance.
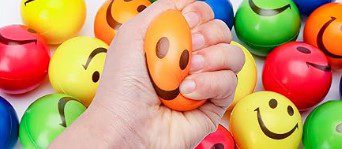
(113, 13)
(168, 47)
(323, 29)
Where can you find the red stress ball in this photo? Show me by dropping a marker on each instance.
(220, 139)
(300, 72)
(24, 59)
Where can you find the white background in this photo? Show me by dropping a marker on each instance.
(10, 14)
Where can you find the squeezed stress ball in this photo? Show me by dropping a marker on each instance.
(300, 72)
(306, 7)
(220, 139)
(323, 29)
(24, 59)
(223, 10)
(247, 78)
(76, 67)
(168, 48)
(9, 125)
(56, 20)
(264, 24)
(113, 14)
(323, 127)
(46, 118)
(266, 120)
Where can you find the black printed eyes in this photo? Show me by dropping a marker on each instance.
(290, 110)
(184, 60)
(303, 50)
(273, 103)
(96, 77)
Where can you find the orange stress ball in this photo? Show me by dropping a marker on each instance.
(113, 13)
(168, 47)
(323, 29)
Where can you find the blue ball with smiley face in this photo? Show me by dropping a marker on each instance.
(223, 10)
(306, 7)
(9, 125)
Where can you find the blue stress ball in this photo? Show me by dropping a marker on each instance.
(223, 10)
(306, 7)
(9, 125)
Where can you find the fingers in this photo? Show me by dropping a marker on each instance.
(210, 33)
(209, 85)
(217, 57)
(197, 13)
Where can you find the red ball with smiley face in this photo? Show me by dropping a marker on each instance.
(220, 139)
(300, 72)
(24, 59)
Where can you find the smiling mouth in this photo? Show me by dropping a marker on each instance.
(271, 134)
(110, 19)
(28, 1)
(7, 41)
(320, 43)
(166, 95)
(320, 67)
(267, 12)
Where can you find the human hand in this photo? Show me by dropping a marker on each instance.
(126, 111)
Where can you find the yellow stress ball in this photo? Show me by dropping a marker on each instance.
(247, 78)
(76, 66)
(266, 120)
(56, 20)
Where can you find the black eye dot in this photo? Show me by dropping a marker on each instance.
(184, 59)
(96, 76)
(31, 30)
(162, 47)
(290, 110)
(217, 146)
(303, 50)
(273, 103)
(141, 8)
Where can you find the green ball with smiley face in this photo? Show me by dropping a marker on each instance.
(265, 24)
(46, 118)
(323, 127)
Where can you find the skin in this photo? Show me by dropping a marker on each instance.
(126, 111)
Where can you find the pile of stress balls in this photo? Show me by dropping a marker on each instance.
(296, 77)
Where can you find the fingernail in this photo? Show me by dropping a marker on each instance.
(192, 18)
(197, 63)
(188, 86)
(197, 41)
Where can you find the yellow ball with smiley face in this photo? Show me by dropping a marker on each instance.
(266, 120)
(56, 20)
(76, 66)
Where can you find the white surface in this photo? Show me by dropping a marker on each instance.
(10, 14)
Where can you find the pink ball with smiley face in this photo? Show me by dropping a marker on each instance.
(300, 72)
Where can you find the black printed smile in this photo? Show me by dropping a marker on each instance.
(28, 1)
(7, 41)
(320, 67)
(267, 12)
(166, 95)
(271, 134)
(320, 43)
(110, 19)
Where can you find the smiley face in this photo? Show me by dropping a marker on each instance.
(56, 20)
(306, 87)
(18, 76)
(266, 120)
(220, 139)
(46, 118)
(263, 24)
(324, 29)
(323, 127)
(76, 67)
(168, 52)
(113, 14)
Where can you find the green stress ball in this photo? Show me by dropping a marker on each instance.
(265, 24)
(323, 127)
(46, 118)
